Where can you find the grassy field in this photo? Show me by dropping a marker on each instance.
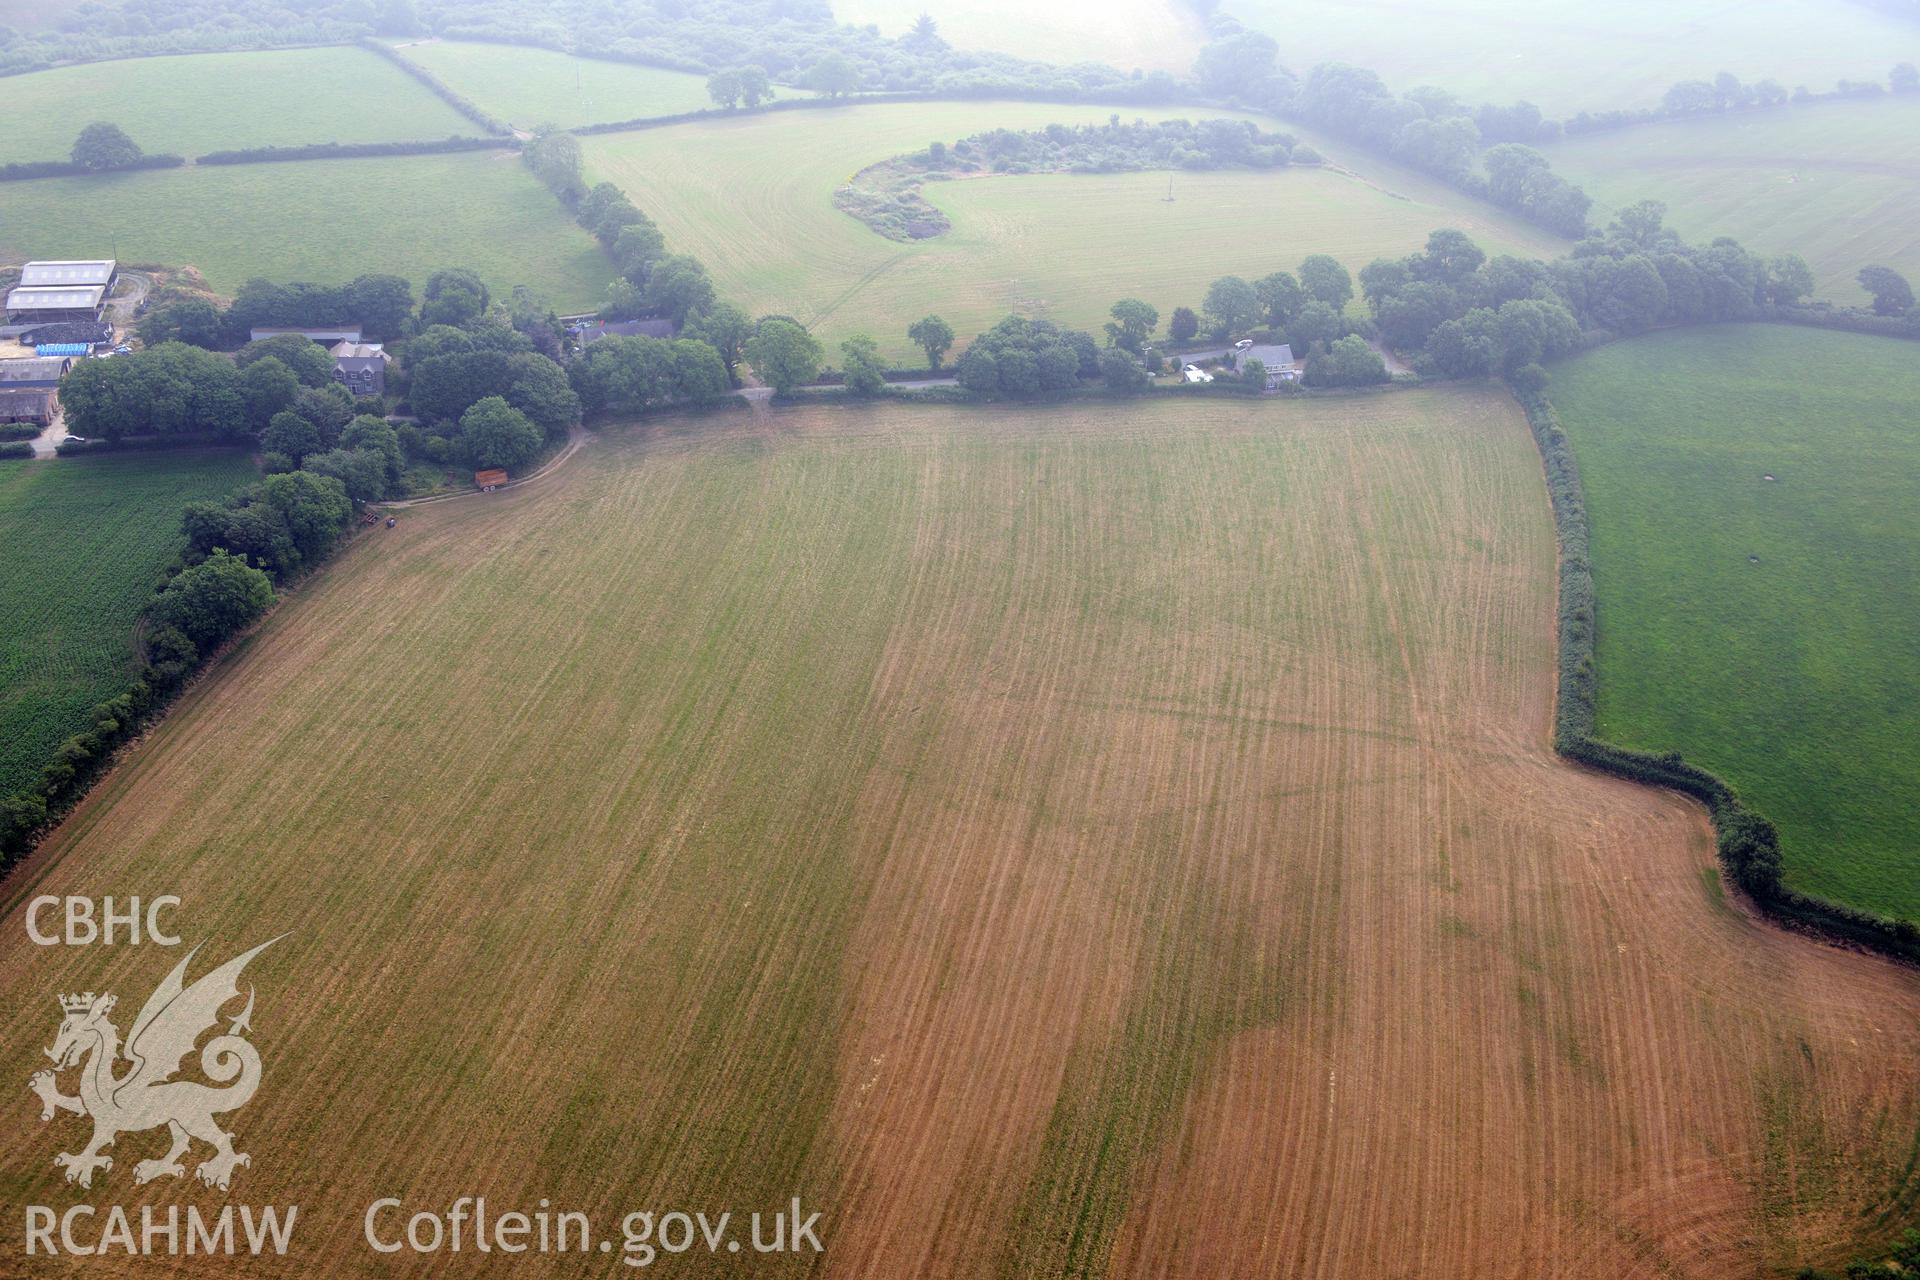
(753, 199)
(214, 101)
(533, 87)
(1118, 842)
(321, 220)
(1153, 35)
(1767, 629)
(1567, 57)
(1835, 182)
(82, 544)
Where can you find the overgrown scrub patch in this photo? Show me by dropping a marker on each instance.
(887, 196)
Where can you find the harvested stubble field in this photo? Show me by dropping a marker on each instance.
(752, 197)
(1116, 842)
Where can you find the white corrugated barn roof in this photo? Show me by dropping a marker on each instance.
(96, 271)
(37, 298)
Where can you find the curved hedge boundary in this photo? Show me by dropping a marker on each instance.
(23, 170)
(1748, 845)
(355, 150)
(441, 89)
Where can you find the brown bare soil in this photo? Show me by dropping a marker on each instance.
(1112, 841)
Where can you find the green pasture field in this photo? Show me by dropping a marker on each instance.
(83, 542)
(1766, 629)
(1153, 35)
(1836, 182)
(202, 102)
(533, 87)
(752, 198)
(319, 220)
(1568, 57)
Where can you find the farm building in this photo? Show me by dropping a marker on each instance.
(598, 329)
(361, 367)
(339, 333)
(61, 290)
(26, 305)
(26, 404)
(98, 271)
(35, 371)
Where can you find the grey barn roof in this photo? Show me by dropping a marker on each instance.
(92, 271)
(36, 371)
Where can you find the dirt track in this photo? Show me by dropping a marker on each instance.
(1120, 844)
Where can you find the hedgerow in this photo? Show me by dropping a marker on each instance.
(24, 170)
(353, 150)
(464, 105)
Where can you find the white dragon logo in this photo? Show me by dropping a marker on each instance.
(147, 1096)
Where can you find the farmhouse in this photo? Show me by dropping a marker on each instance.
(61, 290)
(1277, 359)
(340, 333)
(361, 367)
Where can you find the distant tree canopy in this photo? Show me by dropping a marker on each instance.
(933, 336)
(214, 599)
(783, 353)
(284, 524)
(195, 321)
(442, 387)
(1347, 362)
(498, 435)
(1020, 358)
(171, 389)
(740, 85)
(630, 375)
(309, 362)
(381, 304)
(453, 297)
(833, 76)
(1892, 295)
(102, 146)
(860, 364)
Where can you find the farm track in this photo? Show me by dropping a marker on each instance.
(1120, 843)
